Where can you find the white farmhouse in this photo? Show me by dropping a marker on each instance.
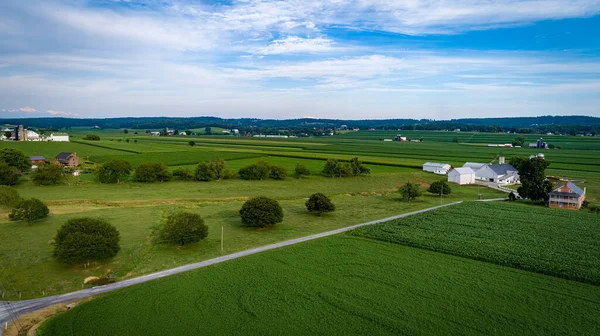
(464, 175)
(61, 137)
(33, 136)
(437, 168)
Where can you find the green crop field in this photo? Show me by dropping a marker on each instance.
(550, 241)
(342, 285)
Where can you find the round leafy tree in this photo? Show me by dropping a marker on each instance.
(9, 197)
(152, 172)
(319, 203)
(261, 211)
(29, 210)
(15, 158)
(8, 175)
(439, 187)
(301, 170)
(410, 191)
(82, 240)
(113, 171)
(182, 228)
(48, 174)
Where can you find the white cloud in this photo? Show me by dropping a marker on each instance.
(63, 113)
(296, 45)
(26, 109)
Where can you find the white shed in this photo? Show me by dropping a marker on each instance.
(59, 137)
(437, 168)
(464, 175)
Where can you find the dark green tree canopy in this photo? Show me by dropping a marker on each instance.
(84, 239)
(93, 137)
(192, 143)
(15, 158)
(183, 174)
(410, 191)
(336, 168)
(113, 171)
(48, 174)
(439, 187)
(152, 172)
(212, 171)
(29, 210)
(8, 175)
(532, 173)
(182, 228)
(261, 212)
(319, 203)
(301, 170)
(9, 197)
(262, 170)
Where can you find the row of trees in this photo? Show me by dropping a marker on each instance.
(114, 171)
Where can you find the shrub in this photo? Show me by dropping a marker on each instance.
(8, 175)
(182, 228)
(82, 240)
(277, 172)
(410, 191)
(260, 212)
(15, 158)
(336, 168)
(93, 137)
(29, 210)
(301, 170)
(258, 171)
(9, 197)
(113, 171)
(439, 187)
(183, 174)
(151, 172)
(212, 171)
(512, 197)
(192, 143)
(48, 174)
(319, 203)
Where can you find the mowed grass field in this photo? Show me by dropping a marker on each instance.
(26, 250)
(342, 285)
(539, 239)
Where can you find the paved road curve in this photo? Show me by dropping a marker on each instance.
(11, 310)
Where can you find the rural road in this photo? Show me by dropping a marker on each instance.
(9, 311)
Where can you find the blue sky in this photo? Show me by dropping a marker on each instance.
(350, 59)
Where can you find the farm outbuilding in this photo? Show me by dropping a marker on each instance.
(437, 168)
(464, 175)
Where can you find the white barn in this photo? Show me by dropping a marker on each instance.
(474, 165)
(59, 137)
(498, 173)
(463, 175)
(437, 168)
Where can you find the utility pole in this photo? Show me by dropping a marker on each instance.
(222, 234)
(442, 193)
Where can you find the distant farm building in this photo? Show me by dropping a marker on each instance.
(390, 140)
(59, 137)
(539, 144)
(463, 175)
(154, 133)
(498, 173)
(37, 159)
(67, 159)
(567, 196)
(400, 138)
(437, 168)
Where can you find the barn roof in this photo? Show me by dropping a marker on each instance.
(435, 164)
(464, 170)
(36, 158)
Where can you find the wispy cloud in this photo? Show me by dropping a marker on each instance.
(25, 109)
(296, 45)
(63, 113)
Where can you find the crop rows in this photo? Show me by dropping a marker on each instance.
(556, 242)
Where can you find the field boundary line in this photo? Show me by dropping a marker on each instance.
(28, 306)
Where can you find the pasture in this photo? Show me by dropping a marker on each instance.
(342, 285)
